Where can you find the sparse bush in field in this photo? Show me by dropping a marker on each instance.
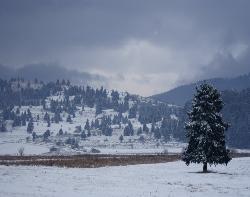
(28, 139)
(165, 151)
(73, 142)
(75, 145)
(21, 151)
(78, 129)
(94, 150)
(59, 143)
(53, 149)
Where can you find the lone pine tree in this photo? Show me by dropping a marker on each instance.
(205, 129)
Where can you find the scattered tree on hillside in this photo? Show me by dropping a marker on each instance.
(30, 126)
(3, 128)
(128, 130)
(57, 117)
(145, 128)
(132, 111)
(69, 119)
(60, 132)
(121, 138)
(139, 131)
(48, 123)
(87, 126)
(83, 135)
(34, 136)
(157, 133)
(46, 135)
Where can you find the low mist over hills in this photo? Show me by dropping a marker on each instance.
(182, 94)
(51, 72)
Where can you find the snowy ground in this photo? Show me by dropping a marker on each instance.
(169, 179)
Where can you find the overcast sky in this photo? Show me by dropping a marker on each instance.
(144, 47)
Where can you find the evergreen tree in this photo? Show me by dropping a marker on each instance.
(46, 134)
(87, 126)
(34, 136)
(23, 119)
(92, 124)
(29, 114)
(60, 132)
(139, 131)
(57, 117)
(126, 103)
(129, 130)
(132, 111)
(153, 127)
(97, 123)
(205, 129)
(48, 123)
(83, 135)
(30, 126)
(17, 121)
(157, 133)
(121, 138)
(17, 111)
(98, 108)
(165, 129)
(145, 128)
(88, 133)
(46, 117)
(3, 128)
(69, 119)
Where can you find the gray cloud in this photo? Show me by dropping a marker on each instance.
(165, 43)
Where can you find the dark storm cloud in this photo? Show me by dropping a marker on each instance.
(166, 42)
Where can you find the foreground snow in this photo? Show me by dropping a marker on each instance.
(170, 179)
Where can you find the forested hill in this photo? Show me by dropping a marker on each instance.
(54, 107)
(236, 112)
(97, 110)
(181, 94)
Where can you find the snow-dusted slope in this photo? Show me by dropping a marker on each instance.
(10, 142)
(170, 179)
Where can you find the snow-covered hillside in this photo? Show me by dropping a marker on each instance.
(59, 118)
(10, 142)
(169, 179)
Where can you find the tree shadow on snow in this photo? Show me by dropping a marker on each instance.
(211, 172)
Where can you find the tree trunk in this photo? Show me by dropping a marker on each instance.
(204, 167)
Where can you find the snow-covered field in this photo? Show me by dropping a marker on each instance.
(169, 179)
